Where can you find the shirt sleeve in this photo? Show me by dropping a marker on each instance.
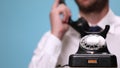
(47, 52)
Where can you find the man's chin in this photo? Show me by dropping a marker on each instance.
(97, 6)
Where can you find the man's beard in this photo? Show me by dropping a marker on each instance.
(97, 6)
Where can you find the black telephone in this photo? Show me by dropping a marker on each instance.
(94, 56)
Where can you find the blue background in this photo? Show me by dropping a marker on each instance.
(22, 24)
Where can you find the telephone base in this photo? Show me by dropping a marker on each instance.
(92, 60)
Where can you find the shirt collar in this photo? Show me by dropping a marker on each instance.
(108, 19)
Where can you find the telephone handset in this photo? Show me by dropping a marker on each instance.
(79, 25)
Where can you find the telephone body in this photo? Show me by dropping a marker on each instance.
(96, 56)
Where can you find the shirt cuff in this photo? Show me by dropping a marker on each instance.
(53, 45)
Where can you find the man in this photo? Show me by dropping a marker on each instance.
(58, 44)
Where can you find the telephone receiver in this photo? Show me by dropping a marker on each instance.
(81, 26)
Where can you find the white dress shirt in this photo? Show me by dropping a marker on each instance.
(51, 51)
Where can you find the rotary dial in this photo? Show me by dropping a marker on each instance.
(92, 42)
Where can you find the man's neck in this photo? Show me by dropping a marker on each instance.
(95, 17)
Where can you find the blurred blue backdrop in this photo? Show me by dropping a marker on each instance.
(22, 24)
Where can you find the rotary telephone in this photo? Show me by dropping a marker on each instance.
(90, 53)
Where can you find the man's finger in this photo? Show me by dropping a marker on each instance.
(56, 3)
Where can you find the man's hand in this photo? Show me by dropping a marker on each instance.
(59, 25)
